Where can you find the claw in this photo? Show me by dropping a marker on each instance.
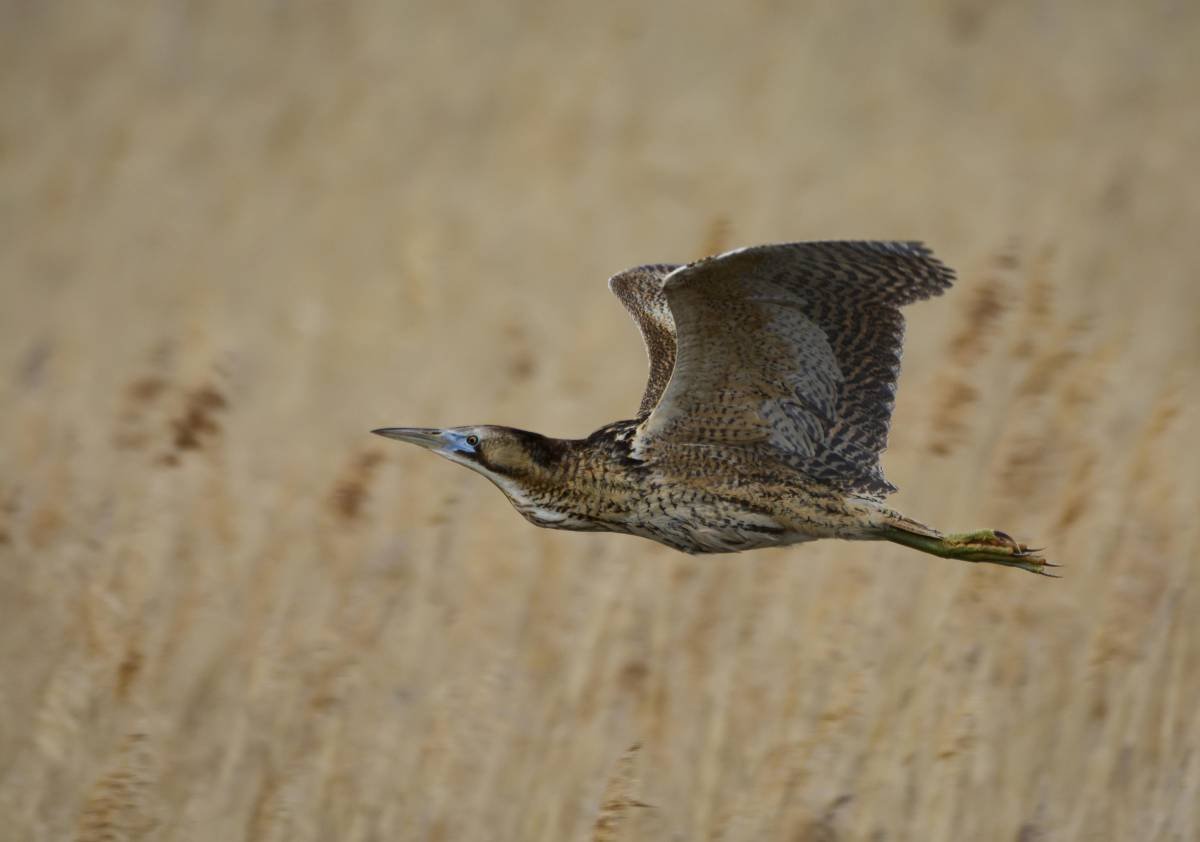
(1010, 540)
(1039, 567)
(1027, 558)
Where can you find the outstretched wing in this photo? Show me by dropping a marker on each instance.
(640, 290)
(795, 348)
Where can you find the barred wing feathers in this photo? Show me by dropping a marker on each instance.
(791, 347)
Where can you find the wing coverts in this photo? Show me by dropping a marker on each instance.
(794, 347)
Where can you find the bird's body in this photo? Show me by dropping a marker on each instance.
(772, 376)
(698, 499)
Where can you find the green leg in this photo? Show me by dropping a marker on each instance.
(987, 545)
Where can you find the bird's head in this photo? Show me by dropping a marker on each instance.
(502, 454)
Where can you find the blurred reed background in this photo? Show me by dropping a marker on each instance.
(235, 236)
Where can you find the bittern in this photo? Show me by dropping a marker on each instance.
(772, 381)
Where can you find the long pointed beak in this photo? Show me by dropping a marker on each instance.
(426, 437)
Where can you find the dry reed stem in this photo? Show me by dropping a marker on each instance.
(350, 494)
(1080, 489)
(1037, 298)
(980, 312)
(618, 798)
(121, 804)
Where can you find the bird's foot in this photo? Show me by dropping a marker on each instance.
(986, 545)
(995, 547)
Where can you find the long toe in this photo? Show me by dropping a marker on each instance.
(994, 547)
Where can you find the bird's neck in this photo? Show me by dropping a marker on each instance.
(575, 481)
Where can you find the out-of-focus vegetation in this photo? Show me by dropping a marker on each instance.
(235, 236)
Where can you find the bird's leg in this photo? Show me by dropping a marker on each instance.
(986, 545)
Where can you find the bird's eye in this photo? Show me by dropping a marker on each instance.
(472, 440)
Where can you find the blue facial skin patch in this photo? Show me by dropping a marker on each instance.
(456, 442)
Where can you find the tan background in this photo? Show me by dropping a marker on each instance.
(235, 236)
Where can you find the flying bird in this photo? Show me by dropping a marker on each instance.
(772, 381)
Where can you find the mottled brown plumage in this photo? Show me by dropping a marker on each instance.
(772, 380)
(640, 290)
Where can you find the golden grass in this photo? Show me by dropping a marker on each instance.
(236, 236)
